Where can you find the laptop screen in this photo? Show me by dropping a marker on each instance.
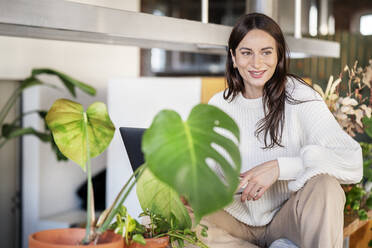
(132, 138)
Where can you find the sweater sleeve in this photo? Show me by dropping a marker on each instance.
(326, 148)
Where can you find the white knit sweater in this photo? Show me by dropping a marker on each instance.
(313, 141)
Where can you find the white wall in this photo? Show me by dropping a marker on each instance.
(134, 102)
(49, 187)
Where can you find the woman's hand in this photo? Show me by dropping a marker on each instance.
(257, 180)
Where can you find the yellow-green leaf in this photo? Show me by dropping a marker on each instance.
(67, 123)
(161, 199)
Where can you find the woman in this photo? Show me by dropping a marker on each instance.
(294, 153)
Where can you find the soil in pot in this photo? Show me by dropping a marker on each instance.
(71, 237)
(151, 243)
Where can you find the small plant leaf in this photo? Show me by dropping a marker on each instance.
(177, 153)
(66, 121)
(161, 199)
(362, 214)
(138, 238)
(130, 224)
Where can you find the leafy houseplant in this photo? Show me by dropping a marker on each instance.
(80, 136)
(14, 129)
(349, 99)
(176, 154)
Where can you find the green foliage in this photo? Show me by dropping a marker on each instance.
(157, 227)
(161, 199)
(138, 238)
(80, 136)
(69, 82)
(354, 196)
(367, 122)
(362, 214)
(177, 152)
(128, 227)
(357, 199)
(67, 121)
(367, 161)
(14, 130)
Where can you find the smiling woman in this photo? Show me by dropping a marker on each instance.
(294, 153)
(256, 59)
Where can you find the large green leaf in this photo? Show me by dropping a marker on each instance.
(161, 199)
(177, 151)
(66, 119)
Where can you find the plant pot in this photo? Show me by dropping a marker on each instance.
(151, 243)
(71, 237)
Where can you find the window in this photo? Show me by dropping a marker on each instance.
(366, 24)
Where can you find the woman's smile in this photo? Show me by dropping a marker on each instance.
(257, 74)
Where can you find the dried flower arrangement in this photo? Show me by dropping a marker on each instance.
(349, 98)
(350, 106)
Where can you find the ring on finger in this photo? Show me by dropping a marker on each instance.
(258, 190)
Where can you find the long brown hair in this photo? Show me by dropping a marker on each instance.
(274, 92)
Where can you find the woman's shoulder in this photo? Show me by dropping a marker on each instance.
(217, 99)
(300, 90)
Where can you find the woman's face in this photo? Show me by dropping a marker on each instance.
(256, 59)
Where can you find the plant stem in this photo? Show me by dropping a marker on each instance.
(109, 210)
(9, 104)
(2, 142)
(116, 206)
(191, 241)
(23, 115)
(89, 186)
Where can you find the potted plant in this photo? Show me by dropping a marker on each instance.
(161, 181)
(349, 99)
(176, 154)
(79, 135)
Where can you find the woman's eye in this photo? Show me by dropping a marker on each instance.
(246, 53)
(267, 53)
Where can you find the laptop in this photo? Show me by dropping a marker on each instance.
(132, 138)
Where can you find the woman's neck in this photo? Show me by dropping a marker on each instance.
(252, 94)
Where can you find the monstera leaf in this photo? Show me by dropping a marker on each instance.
(161, 199)
(177, 153)
(70, 126)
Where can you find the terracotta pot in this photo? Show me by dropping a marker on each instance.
(151, 243)
(70, 237)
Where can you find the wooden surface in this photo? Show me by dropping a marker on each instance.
(352, 223)
(362, 236)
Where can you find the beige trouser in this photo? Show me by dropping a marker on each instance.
(312, 217)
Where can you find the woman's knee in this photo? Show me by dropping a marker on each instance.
(327, 188)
